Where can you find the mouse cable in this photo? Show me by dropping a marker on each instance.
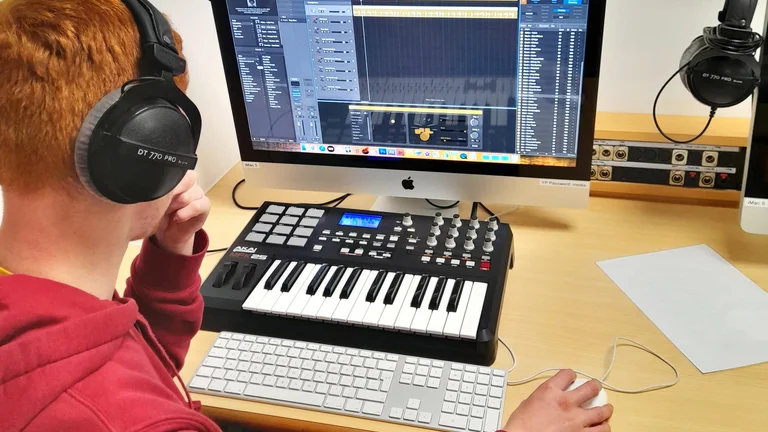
(215, 251)
(442, 207)
(712, 112)
(607, 372)
(334, 202)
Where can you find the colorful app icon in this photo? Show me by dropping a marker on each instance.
(382, 151)
(436, 154)
(348, 149)
(366, 150)
(331, 149)
(446, 155)
(303, 147)
(400, 152)
(495, 158)
(312, 148)
(391, 152)
(486, 157)
(463, 156)
(322, 148)
(505, 158)
(418, 152)
(426, 154)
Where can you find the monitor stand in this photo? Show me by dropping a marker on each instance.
(414, 206)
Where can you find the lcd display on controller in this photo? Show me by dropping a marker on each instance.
(360, 220)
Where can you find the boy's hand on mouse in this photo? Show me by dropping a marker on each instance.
(186, 215)
(551, 409)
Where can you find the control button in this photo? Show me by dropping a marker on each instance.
(440, 260)
(349, 241)
(336, 240)
(485, 265)
(315, 213)
(398, 229)
(317, 248)
(391, 245)
(304, 232)
(344, 250)
(327, 232)
(394, 238)
(268, 218)
(455, 262)
(407, 220)
(353, 234)
(322, 238)
(276, 239)
(425, 259)
(262, 227)
(359, 251)
(307, 221)
(255, 237)
(363, 242)
(339, 233)
(439, 219)
(411, 230)
(297, 241)
(377, 244)
(410, 248)
(380, 236)
(413, 240)
(276, 209)
(289, 220)
(366, 236)
(295, 211)
(387, 255)
(486, 258)
(282, 229)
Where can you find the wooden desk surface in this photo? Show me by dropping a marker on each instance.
(560, 310)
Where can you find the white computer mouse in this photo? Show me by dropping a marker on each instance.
(599, 400)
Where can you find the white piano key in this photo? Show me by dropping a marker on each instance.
(330, 303)
(375, 309)
(269, 300)
(421, 319)
(454, 320)
(389, 316)
(345, 306)
(361, 305)
(286, 298)
(259, 292)
(474, 310)
(405, 316)
(437, 320)
(301, 299)
(314, 303)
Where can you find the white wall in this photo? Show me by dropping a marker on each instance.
(218, 151)
(652, 35)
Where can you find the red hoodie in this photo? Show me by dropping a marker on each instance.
(72, 362)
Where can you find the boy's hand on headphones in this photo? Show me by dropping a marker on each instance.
(186, 215)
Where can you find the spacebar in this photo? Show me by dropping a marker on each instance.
(284, 395)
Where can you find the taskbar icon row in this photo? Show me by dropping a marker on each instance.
(410, 153)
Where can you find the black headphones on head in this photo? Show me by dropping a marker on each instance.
(139, 141)
(719, 68)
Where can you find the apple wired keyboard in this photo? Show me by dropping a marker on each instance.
(395, 388)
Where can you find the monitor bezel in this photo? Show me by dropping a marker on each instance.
(590, 82)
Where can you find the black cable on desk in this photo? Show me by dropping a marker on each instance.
(486, 209)
(333, 203)
(215, 251)
(234, 197)
(441, 207)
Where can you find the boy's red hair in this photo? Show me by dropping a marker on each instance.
(58, 58)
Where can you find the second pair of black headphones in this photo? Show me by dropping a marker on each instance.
(139, 141)
(719, 68)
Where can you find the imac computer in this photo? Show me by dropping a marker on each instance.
(482, 100)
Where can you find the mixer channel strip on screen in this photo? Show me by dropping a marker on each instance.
(410, 284)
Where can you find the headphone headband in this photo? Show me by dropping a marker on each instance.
(738, 14)
(159, 54)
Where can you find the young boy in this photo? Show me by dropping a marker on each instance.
(74, 355)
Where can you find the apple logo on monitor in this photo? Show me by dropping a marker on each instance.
(408, 184)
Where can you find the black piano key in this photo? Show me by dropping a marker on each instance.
(453, 302)
(225, 274)
(318, 279)
(351, 282)
(290, 281)
(421, 291)
(394, 288)
(376, 287)
(246, 279)
(437, 294)
(334, 282)
(276, 275)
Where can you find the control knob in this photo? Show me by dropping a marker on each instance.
(469, 243)
(439, 218)
(450, 243)
(435, 229)
(456, 220)
(474, 122)
(471, 232)
(488, 245)
(453, 231)
(407, 220)
(490, 234)
(493, 222)
(474, 223)
(474, 135)
(431, 240)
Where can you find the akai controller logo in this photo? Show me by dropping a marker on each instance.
(243, 249)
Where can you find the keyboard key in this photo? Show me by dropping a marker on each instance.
(420, 381)
(219, 373)
(453, 385)
(259, 378)
(448, 407)
(269, 381)
(494, 403)
(359, 383)
(491, 420)
(322, 388)
(284, 395)
(425, 417)
(282, 383)
(372, 396)
(334, 402)
(217, 385)
(387, 365)
(205, 371)
(469, 377)
(372, 385)
(499, 373)
(454, 375)
(213, 362)
(483, 379)
(497, 381)
(451, 396)
(396, 413)
(410, 415)
(244, 377)
(234, 388)
(453, 421)
(199, 382)
(477, 412)
(479, 401)
(476, 425)
(481, 390)
(462, 410)
(465, 398)
(422, 370)
(433, 383)
(374, 374)
(436, 373)
(406, 379)
(409, 369)
(413, 403)
(496, 392)
(467, 388)
(353, 405)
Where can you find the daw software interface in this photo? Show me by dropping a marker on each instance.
(467, 80)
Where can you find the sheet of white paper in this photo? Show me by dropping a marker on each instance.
(714, 314)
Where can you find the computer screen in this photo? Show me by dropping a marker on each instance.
(490, 81)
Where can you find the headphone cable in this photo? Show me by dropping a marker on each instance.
(712, 112)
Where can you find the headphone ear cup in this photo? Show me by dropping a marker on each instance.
(83, 140)
(694, 49)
